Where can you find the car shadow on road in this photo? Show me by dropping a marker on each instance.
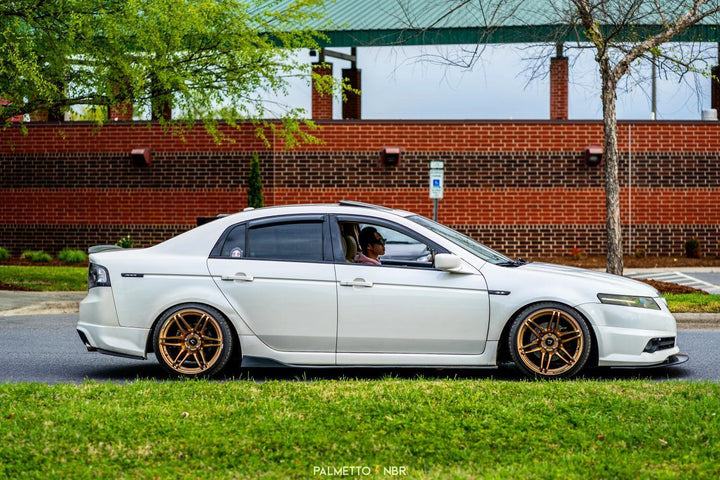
(152, 371)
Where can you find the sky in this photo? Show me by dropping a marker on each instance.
(401, 83)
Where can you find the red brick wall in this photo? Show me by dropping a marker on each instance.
(520, 187)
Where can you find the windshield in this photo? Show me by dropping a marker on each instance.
(480, 250)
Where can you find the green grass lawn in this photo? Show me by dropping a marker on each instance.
(693, 302)
(423, 428)
(45, 278)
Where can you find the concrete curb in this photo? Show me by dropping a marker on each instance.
(697, 321)
(39, 303)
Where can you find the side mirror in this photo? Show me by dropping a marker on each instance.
(448, 262)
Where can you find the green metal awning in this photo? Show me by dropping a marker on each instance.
(362, 23)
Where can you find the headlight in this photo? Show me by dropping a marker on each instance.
(629, 301)
(98, 276)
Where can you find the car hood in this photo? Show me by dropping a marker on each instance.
(603, 282)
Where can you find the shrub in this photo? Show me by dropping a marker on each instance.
(4, 254)
(72, 256)
(577, 254)
(692, 248)
(36, 256)
(125, 242)
(255, 195)
(640, 253)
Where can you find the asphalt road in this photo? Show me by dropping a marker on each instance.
(46, 348)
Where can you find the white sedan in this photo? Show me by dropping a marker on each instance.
(280, 286)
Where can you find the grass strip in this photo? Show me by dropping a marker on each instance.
(49, 279)
(693, 302)
(388, 428)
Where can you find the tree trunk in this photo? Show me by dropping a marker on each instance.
(612, 185)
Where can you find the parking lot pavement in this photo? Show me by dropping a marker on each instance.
(706, 279)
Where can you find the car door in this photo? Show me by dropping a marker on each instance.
(408, 307)
(278, 275)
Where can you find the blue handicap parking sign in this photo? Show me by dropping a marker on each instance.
(436, 182)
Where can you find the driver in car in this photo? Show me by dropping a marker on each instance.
(372, 245)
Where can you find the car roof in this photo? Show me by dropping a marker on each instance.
(197, 237)
(351, 206)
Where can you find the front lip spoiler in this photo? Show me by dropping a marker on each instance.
(671, 361)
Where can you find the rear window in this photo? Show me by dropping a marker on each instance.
(286, 241)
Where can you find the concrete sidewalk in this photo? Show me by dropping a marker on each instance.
(39, 303)
(54, 303)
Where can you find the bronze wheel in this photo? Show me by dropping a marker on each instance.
(193, 340)
(549, 341)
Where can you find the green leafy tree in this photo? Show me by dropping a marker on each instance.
(254, 193)
(211, 60)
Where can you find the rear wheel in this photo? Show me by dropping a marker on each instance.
(193, 341)
(549, 340)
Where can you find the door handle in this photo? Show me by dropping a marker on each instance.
(358, 282)
(239, 276)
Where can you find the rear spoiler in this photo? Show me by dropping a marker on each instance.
(103, 248)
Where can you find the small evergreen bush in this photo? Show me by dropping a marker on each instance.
(36, 256)
(4, 254)
(692, 248)
(254, 192)
(72, 256)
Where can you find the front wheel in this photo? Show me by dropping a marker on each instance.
(193, 341)
(549, 340)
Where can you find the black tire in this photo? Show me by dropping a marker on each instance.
(549, 340)
(193, 340)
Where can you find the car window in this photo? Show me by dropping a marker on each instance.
(399, 249)
(286, 241)
(472, 246)
(399, 246)
(234, 246)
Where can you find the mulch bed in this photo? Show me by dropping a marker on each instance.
(14, 288)
(667, 287)
(629, 261)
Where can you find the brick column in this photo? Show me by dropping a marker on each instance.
(121, 112)
(161, 108)
(351, 107)
(322, 103)
(559, 88)
(16, 118)
(40, 116)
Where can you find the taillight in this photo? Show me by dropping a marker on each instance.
(98, 276)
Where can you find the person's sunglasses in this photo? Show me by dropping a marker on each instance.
(380, 241)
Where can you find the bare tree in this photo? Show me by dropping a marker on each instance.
(621, 32)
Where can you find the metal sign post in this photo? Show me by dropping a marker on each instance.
(436, 184)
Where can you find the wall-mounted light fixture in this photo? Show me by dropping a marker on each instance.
(390, 156)
(141, 157)
(593, 155)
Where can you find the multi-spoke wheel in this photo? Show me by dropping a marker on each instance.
(193, 340)
(549, 341)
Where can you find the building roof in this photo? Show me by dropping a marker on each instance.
(435, 22)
